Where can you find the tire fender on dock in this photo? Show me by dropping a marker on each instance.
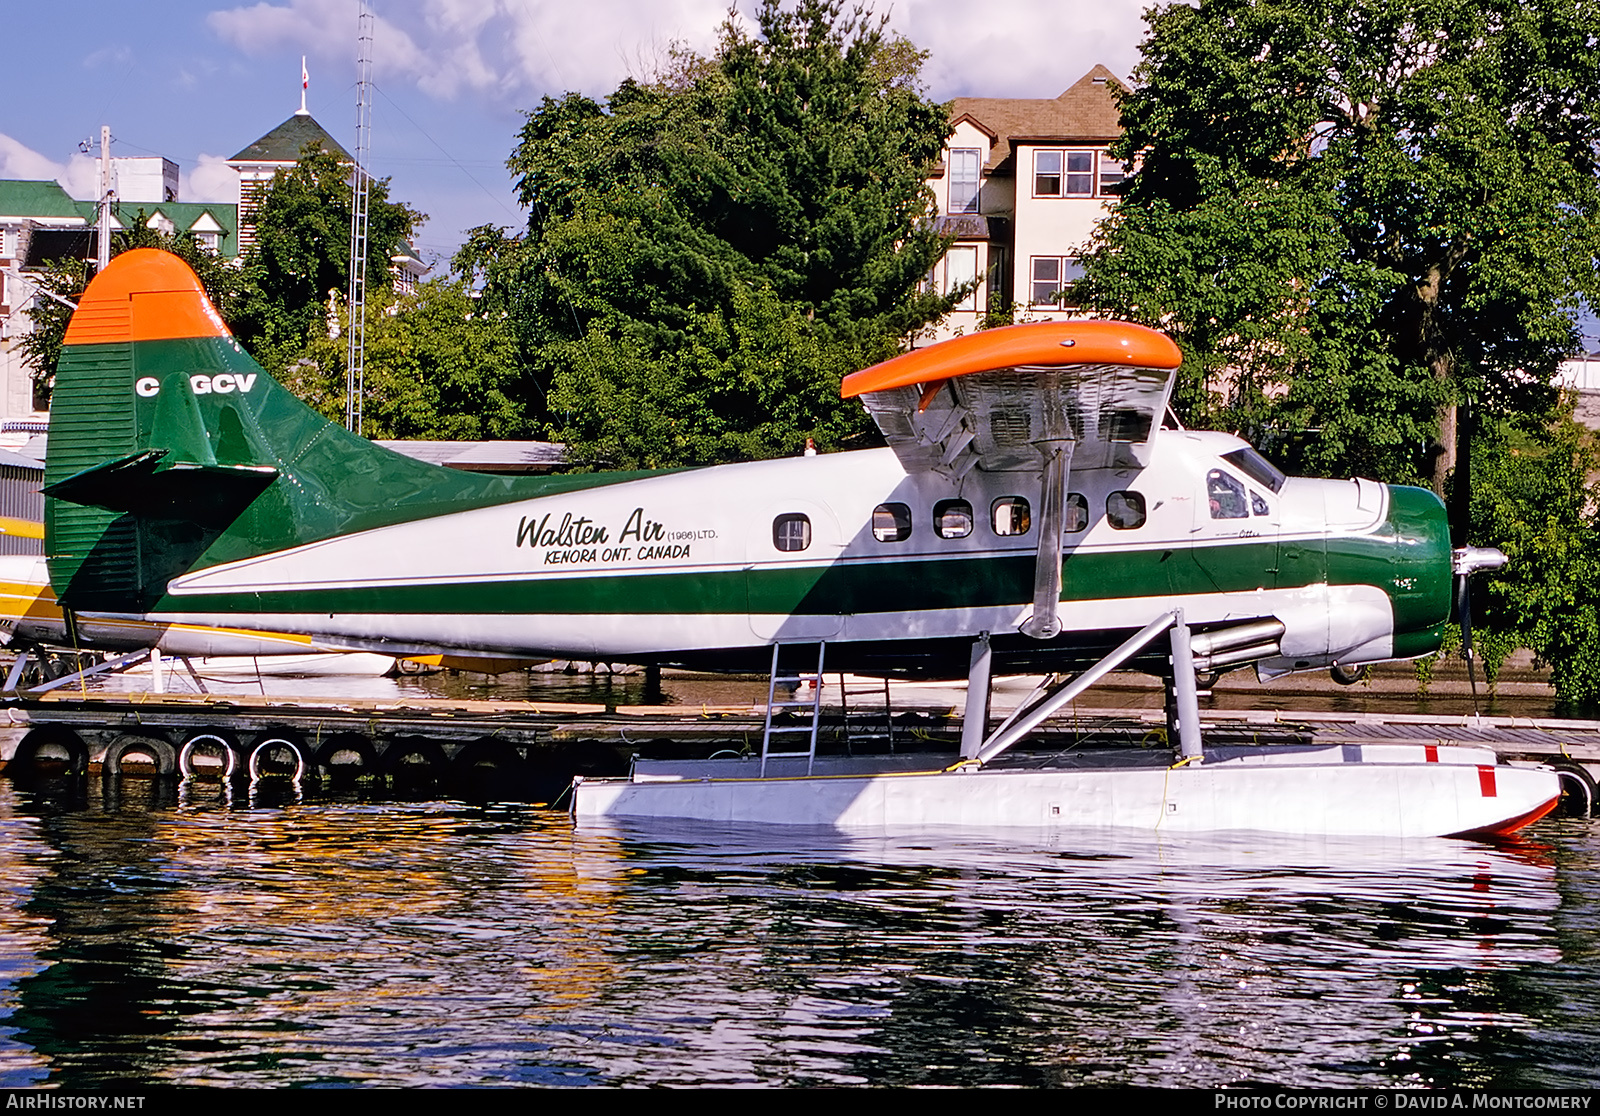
(25, 759)
(278, 741)
(209, 741)
(134, 744)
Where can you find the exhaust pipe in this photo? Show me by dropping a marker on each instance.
(1207, 644)
(1236, 656)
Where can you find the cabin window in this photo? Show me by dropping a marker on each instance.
(1225, 496)
(891, 523)
(1074, 513)
(1258, 505)
(1125, 510)
(791, 532)
(1010, 516)
(1256, 467)
(952, 519)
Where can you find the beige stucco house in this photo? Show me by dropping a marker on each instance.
(1023, 184)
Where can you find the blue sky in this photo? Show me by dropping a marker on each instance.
(196, 81)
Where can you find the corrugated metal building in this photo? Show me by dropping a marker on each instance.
(20, 478)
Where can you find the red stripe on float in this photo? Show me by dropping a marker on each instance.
(1430, 752)
(1486, 781)
(1505, 828)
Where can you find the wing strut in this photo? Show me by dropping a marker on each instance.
(1045, 623)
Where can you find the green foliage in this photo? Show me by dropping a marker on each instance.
(707, 254)
(48, 318)
(1362, 222)
(302, 252)
(1534, 497)
(437, 366)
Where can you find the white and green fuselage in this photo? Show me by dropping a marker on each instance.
(189, 487)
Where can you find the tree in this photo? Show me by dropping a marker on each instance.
(1532, 498)
(708, 253)
(302, 251)
(67, 279)
(1369, 226)
(437, 366)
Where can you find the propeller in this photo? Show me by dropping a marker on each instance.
(1466, 561)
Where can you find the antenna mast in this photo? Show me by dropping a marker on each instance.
(356, 370)
(103, 218)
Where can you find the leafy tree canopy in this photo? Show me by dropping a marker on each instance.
(1369, 225)
(709, 252)
(1532, 500)
(437, 366)
(302, 251)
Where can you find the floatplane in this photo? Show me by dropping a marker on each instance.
(1031, 512)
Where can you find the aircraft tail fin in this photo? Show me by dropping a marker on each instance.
(171, 450)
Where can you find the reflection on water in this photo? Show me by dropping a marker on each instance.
(408, 943)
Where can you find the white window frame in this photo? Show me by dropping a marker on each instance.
(961, 266)
(1068, 270)
(964, 159)
(1086, 177)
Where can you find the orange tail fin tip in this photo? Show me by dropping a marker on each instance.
(144, 295)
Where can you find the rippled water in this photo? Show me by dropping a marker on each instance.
(163, 939)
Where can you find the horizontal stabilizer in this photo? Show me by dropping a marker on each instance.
(143, 485)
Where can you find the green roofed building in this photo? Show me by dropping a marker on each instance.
(278, 150)
(40, 222)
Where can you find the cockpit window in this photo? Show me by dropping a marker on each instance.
(1225, 496)
(1258, 506)
(1256, 467)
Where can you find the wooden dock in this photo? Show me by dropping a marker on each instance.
(542, 744)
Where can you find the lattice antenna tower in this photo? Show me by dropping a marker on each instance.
(356, 369)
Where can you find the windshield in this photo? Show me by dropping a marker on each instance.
(1256, 467)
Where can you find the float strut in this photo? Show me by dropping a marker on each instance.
(1049, 697)
(99, 668)
(1183, 691)
(975, 721)
(17, 668)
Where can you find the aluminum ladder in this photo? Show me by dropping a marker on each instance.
(777, 677)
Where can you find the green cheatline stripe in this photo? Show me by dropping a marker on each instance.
(844, 587)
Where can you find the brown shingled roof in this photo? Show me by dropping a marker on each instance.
(1084, 113)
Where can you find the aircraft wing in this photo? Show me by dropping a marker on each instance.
(997, 399)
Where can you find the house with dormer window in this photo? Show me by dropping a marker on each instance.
(1023, 183)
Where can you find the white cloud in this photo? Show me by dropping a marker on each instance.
(113, 56)
(502, 50)
(511, 51)
(213, 180)
(20, 161)
(79, 175)
(82, 177)
(1019, 48)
